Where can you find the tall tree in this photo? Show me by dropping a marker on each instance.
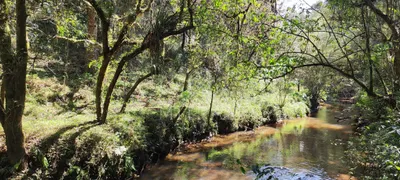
(14, 69)
(108, 51)
(391, 20)
(165, 25)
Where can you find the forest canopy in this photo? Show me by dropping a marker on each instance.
(103, 88)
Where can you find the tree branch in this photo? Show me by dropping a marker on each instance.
(361, 84)
(131, 19)
(73, 40)
(385, 18)
(99, 11)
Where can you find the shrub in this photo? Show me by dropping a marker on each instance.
(193, 125)
(249, 121)
(269, 113)
(371, 108)
(225, 123)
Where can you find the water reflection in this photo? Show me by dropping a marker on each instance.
(309, 145)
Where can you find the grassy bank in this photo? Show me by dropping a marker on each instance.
(63, 140)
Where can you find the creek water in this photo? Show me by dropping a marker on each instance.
(303, 148)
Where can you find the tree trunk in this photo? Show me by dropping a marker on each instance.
(211, 102)
(102, 116)
(6, 54)
(397, 67)
(186, 83)
(364, 15)
(181, 111)
(132, 90)
(103, 68)
(187, 76)
(210, 109)
(14, 83)
(113, 82)
(2, 90)
(185, 87)
(92, 35)
(298, 86)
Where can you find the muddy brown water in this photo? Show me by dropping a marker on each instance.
(313, 146)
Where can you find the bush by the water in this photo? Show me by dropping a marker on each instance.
(375, 151)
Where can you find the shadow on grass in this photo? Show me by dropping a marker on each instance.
(62, 164)
(61, 150)
(74, 80)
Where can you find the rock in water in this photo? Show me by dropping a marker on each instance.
(272, 172)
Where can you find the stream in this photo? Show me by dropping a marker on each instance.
(304, 148)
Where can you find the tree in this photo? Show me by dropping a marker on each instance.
(165, 25)
(14, 72)
(391, 19)
(321, 37)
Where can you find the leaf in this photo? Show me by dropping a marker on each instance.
(45, 162)
(16, 166)
(397, 167)
(243, 170)
(93, 62)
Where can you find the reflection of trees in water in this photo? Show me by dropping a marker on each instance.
(320, 149)
(295, 147)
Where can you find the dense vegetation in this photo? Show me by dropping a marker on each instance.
(100, 89)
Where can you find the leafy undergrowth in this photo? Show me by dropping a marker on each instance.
(375, 152)
(64, 141)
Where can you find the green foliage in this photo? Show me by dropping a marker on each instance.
(285, 101)
(193, 125)
(105, 152)
(248, 121)
(296, 109)
(373, 109)
(39, 158)
(375, 153)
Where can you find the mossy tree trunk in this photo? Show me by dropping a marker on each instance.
(103, 68)
(14, 68)
(107, 55)
(91, 35)
(108, 52)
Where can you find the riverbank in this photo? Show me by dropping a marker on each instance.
(64, 141)
(78, 144)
